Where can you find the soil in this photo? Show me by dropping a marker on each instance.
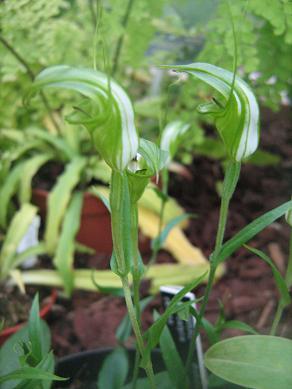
(247, 290)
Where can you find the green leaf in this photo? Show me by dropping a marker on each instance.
(155, 158)
(117, 360)
(236, 114)
(172, 136)
(59, 199)
(15, 233)
(253, 361)
(57, 144)
(171, 358)
(161, 379)
(251, 230)
(285, 298)
(35, 330)
(64, 257)
(158, 242)
(30, 168)
(7, 190)
(102, 197)
(106, 112)
(153, 333)
(9, 356)
(32, 373)
(238, 325)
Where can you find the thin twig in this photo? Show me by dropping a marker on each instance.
(31, 74)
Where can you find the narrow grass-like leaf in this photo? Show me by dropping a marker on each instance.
(117, 360)
(153, 333)
(30, 168)
(35, 330)
(239, 325)
(253, 361)
(59, 199)
(106, 112)
(57, 143)
(172, 359)
(158, 242)
(32, 373)
(7, 190)
(285, 298)
(15, 233)
(64, 257)
(251, 230)
(236, 112)
(102, 197)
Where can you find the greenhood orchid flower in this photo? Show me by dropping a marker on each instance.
(106, 112)
(236, 112)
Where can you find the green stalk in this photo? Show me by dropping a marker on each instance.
(120, 43)
(137, 330)
(230, 182)
(288, 279)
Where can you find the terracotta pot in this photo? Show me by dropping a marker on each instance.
(7, 332)
(95, 226)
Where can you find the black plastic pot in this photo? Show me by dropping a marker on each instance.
(83, 368)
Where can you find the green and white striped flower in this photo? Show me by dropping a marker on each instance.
(236, 112)
(107, 111)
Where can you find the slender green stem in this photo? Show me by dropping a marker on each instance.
(230, 181)
(288, 279)
(31, 74)
(137, 330)
(277, 318)
(120, 43)
(136, 370)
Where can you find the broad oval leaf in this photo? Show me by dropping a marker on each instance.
(117, 360)
(106, 112)
(236, 114)
(253, 361)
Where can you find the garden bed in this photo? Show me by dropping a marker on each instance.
(247, 290)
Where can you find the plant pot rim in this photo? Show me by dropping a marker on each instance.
(7, 332)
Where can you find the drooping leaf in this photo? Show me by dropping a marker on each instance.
(15, 233)
(64, 257)
(102, 197)
(117, 360)
(7, 190)
(171, 137)
(57, 143)
(285, 298)
(58, 200)
(31, 373)
(251, 230)
(253, 361)
(239, 325)
(106, 112)
(236, 114)
(30, 168)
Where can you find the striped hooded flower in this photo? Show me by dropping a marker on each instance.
(106, 111)
(236, 111)
(171, 137)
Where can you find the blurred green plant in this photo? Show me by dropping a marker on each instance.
(26, 359)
